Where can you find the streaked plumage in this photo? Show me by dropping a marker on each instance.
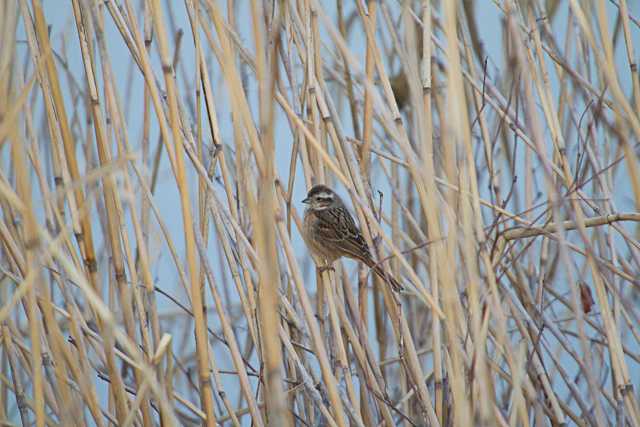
(330, 232)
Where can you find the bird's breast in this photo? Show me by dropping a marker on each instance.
(311, 234)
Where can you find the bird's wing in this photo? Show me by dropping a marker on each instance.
(340, 231)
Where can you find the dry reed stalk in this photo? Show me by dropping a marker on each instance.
(501, 189)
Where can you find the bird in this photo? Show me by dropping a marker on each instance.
(330, 233)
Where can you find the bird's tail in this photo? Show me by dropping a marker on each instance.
(386, 277)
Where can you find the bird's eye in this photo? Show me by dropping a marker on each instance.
(324, 199)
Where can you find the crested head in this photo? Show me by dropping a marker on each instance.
(320, 197)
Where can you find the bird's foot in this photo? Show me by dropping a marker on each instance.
(324, 268)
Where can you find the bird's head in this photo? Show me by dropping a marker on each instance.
(321, 197)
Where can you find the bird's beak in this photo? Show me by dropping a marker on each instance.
(306, 201)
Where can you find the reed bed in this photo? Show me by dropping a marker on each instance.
(153, 155)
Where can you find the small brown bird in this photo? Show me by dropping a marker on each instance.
(330, 233)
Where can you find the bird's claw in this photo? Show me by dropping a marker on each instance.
(324, 268)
